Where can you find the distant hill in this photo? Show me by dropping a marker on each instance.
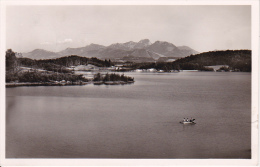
(187, 50)
(41, 54)
(236, 60)
(57, 64)
(166, 49)
(91, 49)
(123, 46)
(143, 50)
(142, 44)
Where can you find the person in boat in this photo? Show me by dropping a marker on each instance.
(187, 120)
(184, 119)
(191, 120)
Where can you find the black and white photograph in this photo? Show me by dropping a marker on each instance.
(129, 81)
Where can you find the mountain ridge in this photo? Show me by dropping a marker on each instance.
(118, 51)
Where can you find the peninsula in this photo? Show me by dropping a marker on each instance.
(58, 72)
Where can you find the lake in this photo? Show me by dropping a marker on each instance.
(139, 120)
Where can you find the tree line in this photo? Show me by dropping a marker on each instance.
(36, 76)
(237, 60)
(57, 69)
(58, 64)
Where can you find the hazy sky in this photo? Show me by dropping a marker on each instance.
(203, 28)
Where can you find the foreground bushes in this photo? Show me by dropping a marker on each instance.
(43, 77)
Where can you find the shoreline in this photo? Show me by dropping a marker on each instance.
(17, 84)
(112, 82)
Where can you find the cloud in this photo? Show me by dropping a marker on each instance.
(45, 43)
(68, 40)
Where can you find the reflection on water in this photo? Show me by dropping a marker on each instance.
(133, 121)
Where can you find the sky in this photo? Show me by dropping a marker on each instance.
(54, 28)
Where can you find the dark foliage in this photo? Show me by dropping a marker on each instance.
(237, 60)
(43, 77)
(112, 77)
(77, 60)
(10, 61)
(59, 64)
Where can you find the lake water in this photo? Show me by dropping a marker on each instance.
(140, 120)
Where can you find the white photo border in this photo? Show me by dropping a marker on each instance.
(138, 162)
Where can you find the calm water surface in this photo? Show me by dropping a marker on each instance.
(140, 120)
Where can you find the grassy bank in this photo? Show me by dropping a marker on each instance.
(15, 84)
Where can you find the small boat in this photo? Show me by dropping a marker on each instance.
(185, 122)
(188, 122)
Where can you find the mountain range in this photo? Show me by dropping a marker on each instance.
(142, 51)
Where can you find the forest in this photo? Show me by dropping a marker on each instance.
(59, 63)
(237, 60)
(55, 69)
